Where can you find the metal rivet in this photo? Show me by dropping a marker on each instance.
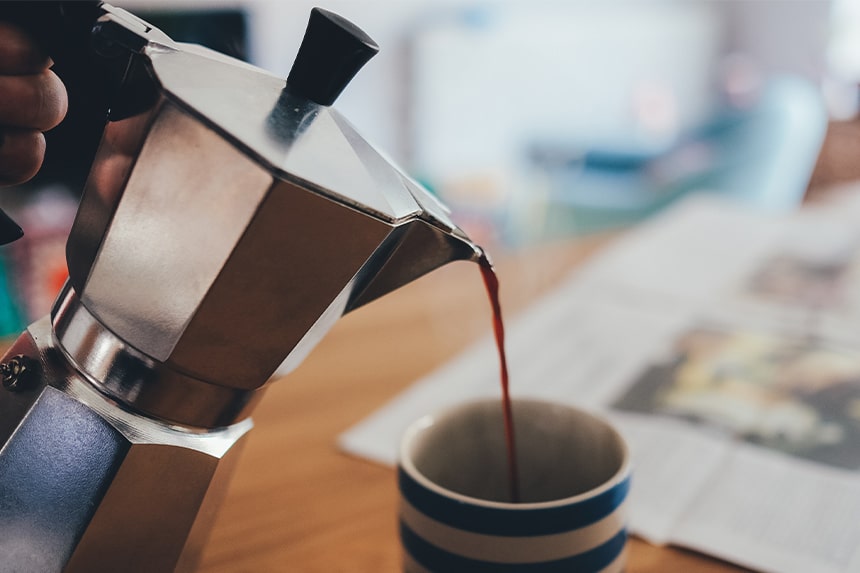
(17, 373)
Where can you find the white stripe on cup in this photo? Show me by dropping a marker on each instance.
(505, 549)
(412, 566)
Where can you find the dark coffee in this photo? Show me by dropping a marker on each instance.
(491, 281)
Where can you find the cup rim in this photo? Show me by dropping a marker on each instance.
(406, 463)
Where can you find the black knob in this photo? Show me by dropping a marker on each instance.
(332, 52)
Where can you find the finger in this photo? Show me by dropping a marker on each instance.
(19, 53)
(21, 155)
(32, 102)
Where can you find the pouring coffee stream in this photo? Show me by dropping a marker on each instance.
(491, 282)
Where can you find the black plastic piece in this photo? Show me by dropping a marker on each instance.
(332, 52)
(9, 229)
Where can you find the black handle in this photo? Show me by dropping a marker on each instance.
(53, 24)
(332, 52)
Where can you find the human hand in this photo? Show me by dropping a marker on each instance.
(32, 100)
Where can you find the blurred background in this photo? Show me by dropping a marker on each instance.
(534, 120)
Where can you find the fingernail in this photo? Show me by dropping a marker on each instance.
(9, 229)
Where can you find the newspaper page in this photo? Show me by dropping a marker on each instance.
(726, 347)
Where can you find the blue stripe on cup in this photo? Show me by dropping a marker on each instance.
(436, 559)
(527, 522)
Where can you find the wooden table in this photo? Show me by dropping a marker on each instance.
(296, 503)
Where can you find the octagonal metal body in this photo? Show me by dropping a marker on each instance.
(87, 486)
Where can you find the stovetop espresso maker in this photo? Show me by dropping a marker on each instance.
(228, 220)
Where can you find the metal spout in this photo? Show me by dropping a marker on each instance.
(417, 248)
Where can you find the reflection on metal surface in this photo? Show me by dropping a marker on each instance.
(76, 470)
(171, 232)
(51, 477)
(136, 380)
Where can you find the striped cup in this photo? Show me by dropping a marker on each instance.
(455, 508)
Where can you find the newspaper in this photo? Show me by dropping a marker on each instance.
(726, 347)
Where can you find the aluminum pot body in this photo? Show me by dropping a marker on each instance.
(86, 485)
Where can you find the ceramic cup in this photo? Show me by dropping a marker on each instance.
(455, 513)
